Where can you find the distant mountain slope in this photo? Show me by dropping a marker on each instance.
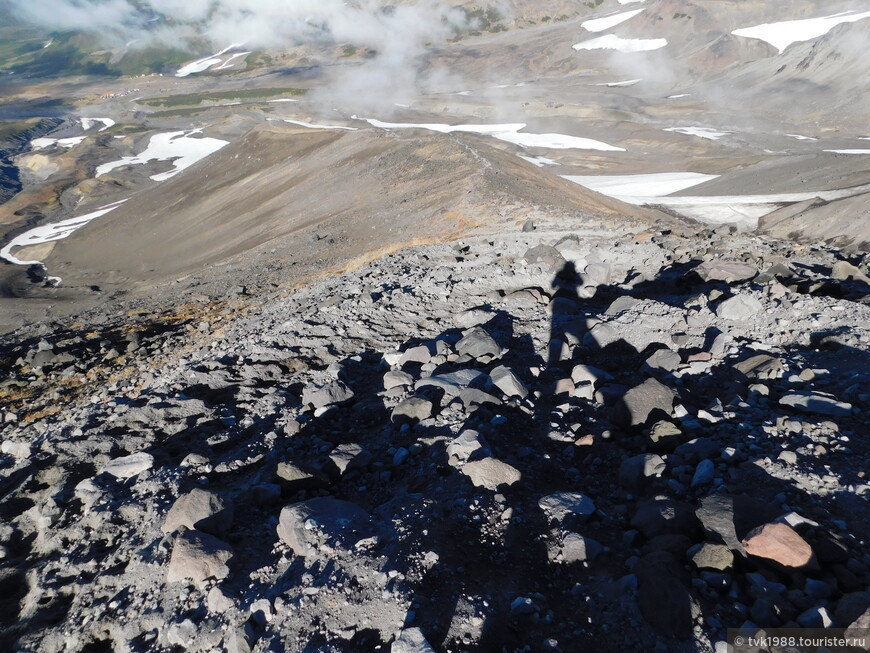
(324, 198)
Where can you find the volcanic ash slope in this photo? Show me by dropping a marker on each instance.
(516, 439)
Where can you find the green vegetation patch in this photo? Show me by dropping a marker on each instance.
(195, 99)
(483, 20)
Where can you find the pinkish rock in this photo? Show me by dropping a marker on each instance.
(780, 543)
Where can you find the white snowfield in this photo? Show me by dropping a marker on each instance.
(180, 146)
(204, 64)
(783, 34)
(605, 23)
(313, 126)
(42, 143)
(627, 82)
(848, 151)
(802, 138)
(51, 232)
(229, 62)
(649, 185)
(89, 123)
(509, 132)
(172, 145)
(613, 42)
(700, 132)
(742, 210)
(539, 161)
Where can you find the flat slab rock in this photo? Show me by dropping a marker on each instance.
(649, 399)
(491, 473)
(739, 308)
(780, 543)
(564, 504)
(453, 382)
(725, 270)
(129, 466)
(816, 403)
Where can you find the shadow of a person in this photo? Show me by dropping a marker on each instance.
(564, 304)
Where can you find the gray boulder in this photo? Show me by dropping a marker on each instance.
(198, 556)
(308, 525)
(412, 410)
(491, 473)
(739, 308)
(816, 403)
(129, 466)
(559, 505)
(201, 510)
(478, 344)
(508, 382)
(411, 640)
(329, 395)
(651, 399)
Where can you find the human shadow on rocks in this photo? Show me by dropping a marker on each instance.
(522, 572)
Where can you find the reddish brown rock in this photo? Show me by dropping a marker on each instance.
(780, 543)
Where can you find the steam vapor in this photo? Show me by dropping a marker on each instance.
(398, 35)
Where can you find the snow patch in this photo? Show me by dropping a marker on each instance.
(229, 62)
(648, 185)
(42, 143)
(313, 126)
(539, 161)
(51, 232)
(627, 82)
(743, 210)
(782, 34)
(509, 132)
(613, 42)
(180, 146)
(700, 132)
(605, 23)
(202, 65)
(802, 138)
(849, 151)
(89, 123)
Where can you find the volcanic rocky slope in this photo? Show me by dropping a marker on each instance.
(561, 436)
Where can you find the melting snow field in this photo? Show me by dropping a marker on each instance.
(89, 123)
(649, 185)
(613, 42)
(506, 132)
(539, 161)
(50, 233)
(742, 210)
(180, 146)
(313, 126)
(700, 132)
(173, 145)
(783, 34)
(202, 65)
(627, 82)
(602, 24)
(42, 143)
